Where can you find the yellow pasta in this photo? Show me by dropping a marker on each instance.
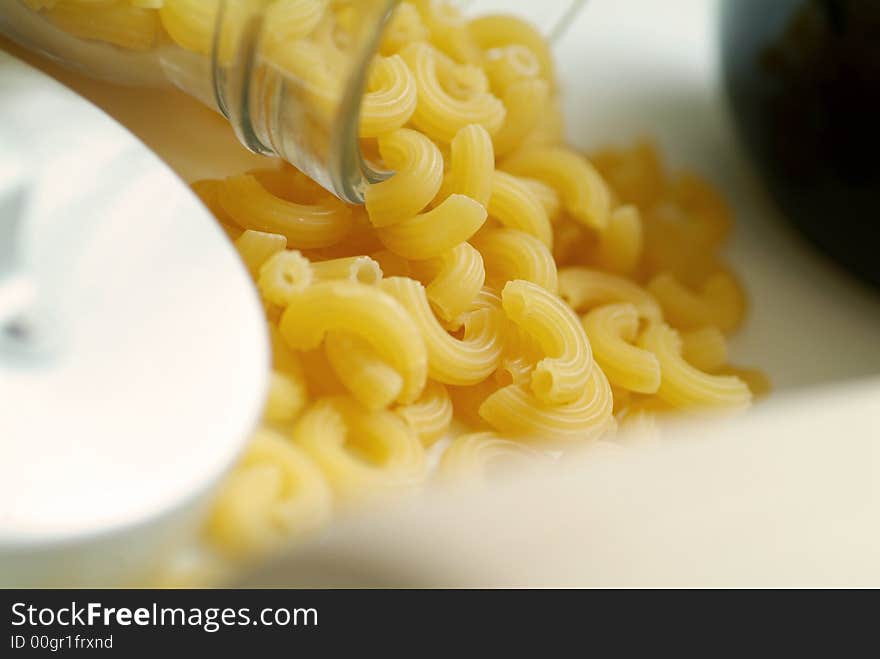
(431, 415)
(449, 30)
(390, 99)
(452, 360)
(404, 27)
(516, 206)
(419, 173)
(440, 115)
(684, 386)
(720, 302)
(585, 288)
(478, 458)
(362, 453)
(705, 348)
(509, 254)
(276, 493)
(472, 164)
(548, 197)
(514, 411)
(550, 129)
(510, 65)
(286, 399)
(284, 360)
(256, 247)
(454, 280)
(526, 103)
(118, 24)
(621, 243)
(283, 276)
(636, 174)
(362, 269)
(612, 329)
(368, 312)
(561, 376)
(306, 226)
(520, 356)
(584, 193)
(290, 20)
(434, 232)
(394, 265)
(191, 23)
(498, 31)
(756, 379)
(208, 192)
(371, 380)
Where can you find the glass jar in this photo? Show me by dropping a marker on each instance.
(287, 74)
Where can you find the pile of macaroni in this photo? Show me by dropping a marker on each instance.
(499, 295)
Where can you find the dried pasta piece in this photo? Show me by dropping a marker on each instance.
(526, 103)
(515, 205)
(453, 280)
(286, 398)
(621, 243)
(515, 412)
(500, 30)
(275, 494)
(562, 375)
(362, 269)
(684, 386)
(705, 348)
(418, 164)
(584, 193)
(451, 360)
(306, 226)
(439, 114)
(283, 276)
(436, 231)
(371, 380)
(363, 454)
(585, 288)
(479, 458)
(720, 302)
(390, 99)
(431, 415)
(257, 247)
(472, 164)
(368, 312)
(509, 254)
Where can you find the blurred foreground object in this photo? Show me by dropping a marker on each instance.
(124, 317)
(785, 496)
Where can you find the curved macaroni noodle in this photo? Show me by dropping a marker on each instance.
(464, 361)
(684, 386)
(561, 376)
(612, 330)
(367, 311)
(431, 415)
(362, 454)
(584, 193)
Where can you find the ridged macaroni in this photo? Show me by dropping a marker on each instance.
(500, 289)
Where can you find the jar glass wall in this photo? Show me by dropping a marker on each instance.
(289, 75)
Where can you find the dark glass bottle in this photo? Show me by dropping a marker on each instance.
(803, 77)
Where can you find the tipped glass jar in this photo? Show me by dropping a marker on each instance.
(289, 75)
